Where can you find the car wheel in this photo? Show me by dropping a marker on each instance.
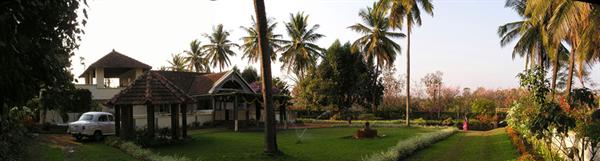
(78, 137)
(98, 136)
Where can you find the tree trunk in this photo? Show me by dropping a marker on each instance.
(555, 68)
(408, 26)
(570, 73)
(540, 56)
(270, 129)
(526, 62)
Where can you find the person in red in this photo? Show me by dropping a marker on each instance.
(465, 124)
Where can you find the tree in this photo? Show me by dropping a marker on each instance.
(376, 43)
(270, 131)
(250, 75)
(483, 106)
(250, 45)
(433, 83)
(340, 81)
(36, 42)
(409, 9)
(300, 53)
(219, 50)
(177, 63)
(195, 58)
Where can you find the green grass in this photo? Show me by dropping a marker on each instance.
(491, 145)
(84, 152)
(317, 145)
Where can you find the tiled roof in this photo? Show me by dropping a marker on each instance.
(192, 83)
(151, 88)
(115, 59)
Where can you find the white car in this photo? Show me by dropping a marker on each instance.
(92, 124)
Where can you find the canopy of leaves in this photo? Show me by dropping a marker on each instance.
(250, 75)
(341, 80)
(37, 39)
(483, 106)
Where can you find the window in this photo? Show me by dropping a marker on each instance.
(110, 118)
(203, 104)
(86, 117)
(102, 118)
(164, 109)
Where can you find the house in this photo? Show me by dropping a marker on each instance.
(145, 98)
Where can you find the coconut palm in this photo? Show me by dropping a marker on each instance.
(270, 129)
(568, 20)
(219, 50)
(177, 62)
(196, 59)
(411, 10)
(300, 53)
(376, 43)
(250, 45)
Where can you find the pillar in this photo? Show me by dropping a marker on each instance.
(117, 120)
(130, 126)
(235, 112)
(214, 111)
(123, 109)
(184, 120)
(174, 121)
(100, 77)
(257, 109)
(150, 119)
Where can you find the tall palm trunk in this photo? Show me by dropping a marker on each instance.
(408, 27)
(555, 67)
(540, 56)
(270, 129)
(570, 72)
(526, 62)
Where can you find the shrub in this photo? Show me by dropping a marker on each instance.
(420, 121)
(448, 122)
(368, 116)
(139, 152)
(404, 148)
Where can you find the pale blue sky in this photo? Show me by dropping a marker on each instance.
(460, 39)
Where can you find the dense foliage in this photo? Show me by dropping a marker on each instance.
(340, 81)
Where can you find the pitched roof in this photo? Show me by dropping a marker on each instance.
(115, 59)
(193, 83)
(151, 88)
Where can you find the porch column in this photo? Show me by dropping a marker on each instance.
(174, 121)
(131, 126)
(257, 109)
(214, 111)
(124, 120)
(117, 120)
(235, 112)
(183, 120)
(100, 77)
(150, 119)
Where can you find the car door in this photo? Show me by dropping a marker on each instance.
(110, 125)
(102, 123)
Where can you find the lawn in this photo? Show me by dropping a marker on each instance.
(491, 145)
(61, 148)
(317, 145)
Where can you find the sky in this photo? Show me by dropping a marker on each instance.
(459, 40)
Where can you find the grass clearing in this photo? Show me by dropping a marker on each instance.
(63, 148)
(493, 145)
(317, 144)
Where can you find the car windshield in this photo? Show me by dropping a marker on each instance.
(86, 117)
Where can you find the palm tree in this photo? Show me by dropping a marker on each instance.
(376, 43)
(250, 45)
(568, 20)
(219, 50)
(177, 62)
(300, 53)
(196, 59)
(409, 9)
(270, 129)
